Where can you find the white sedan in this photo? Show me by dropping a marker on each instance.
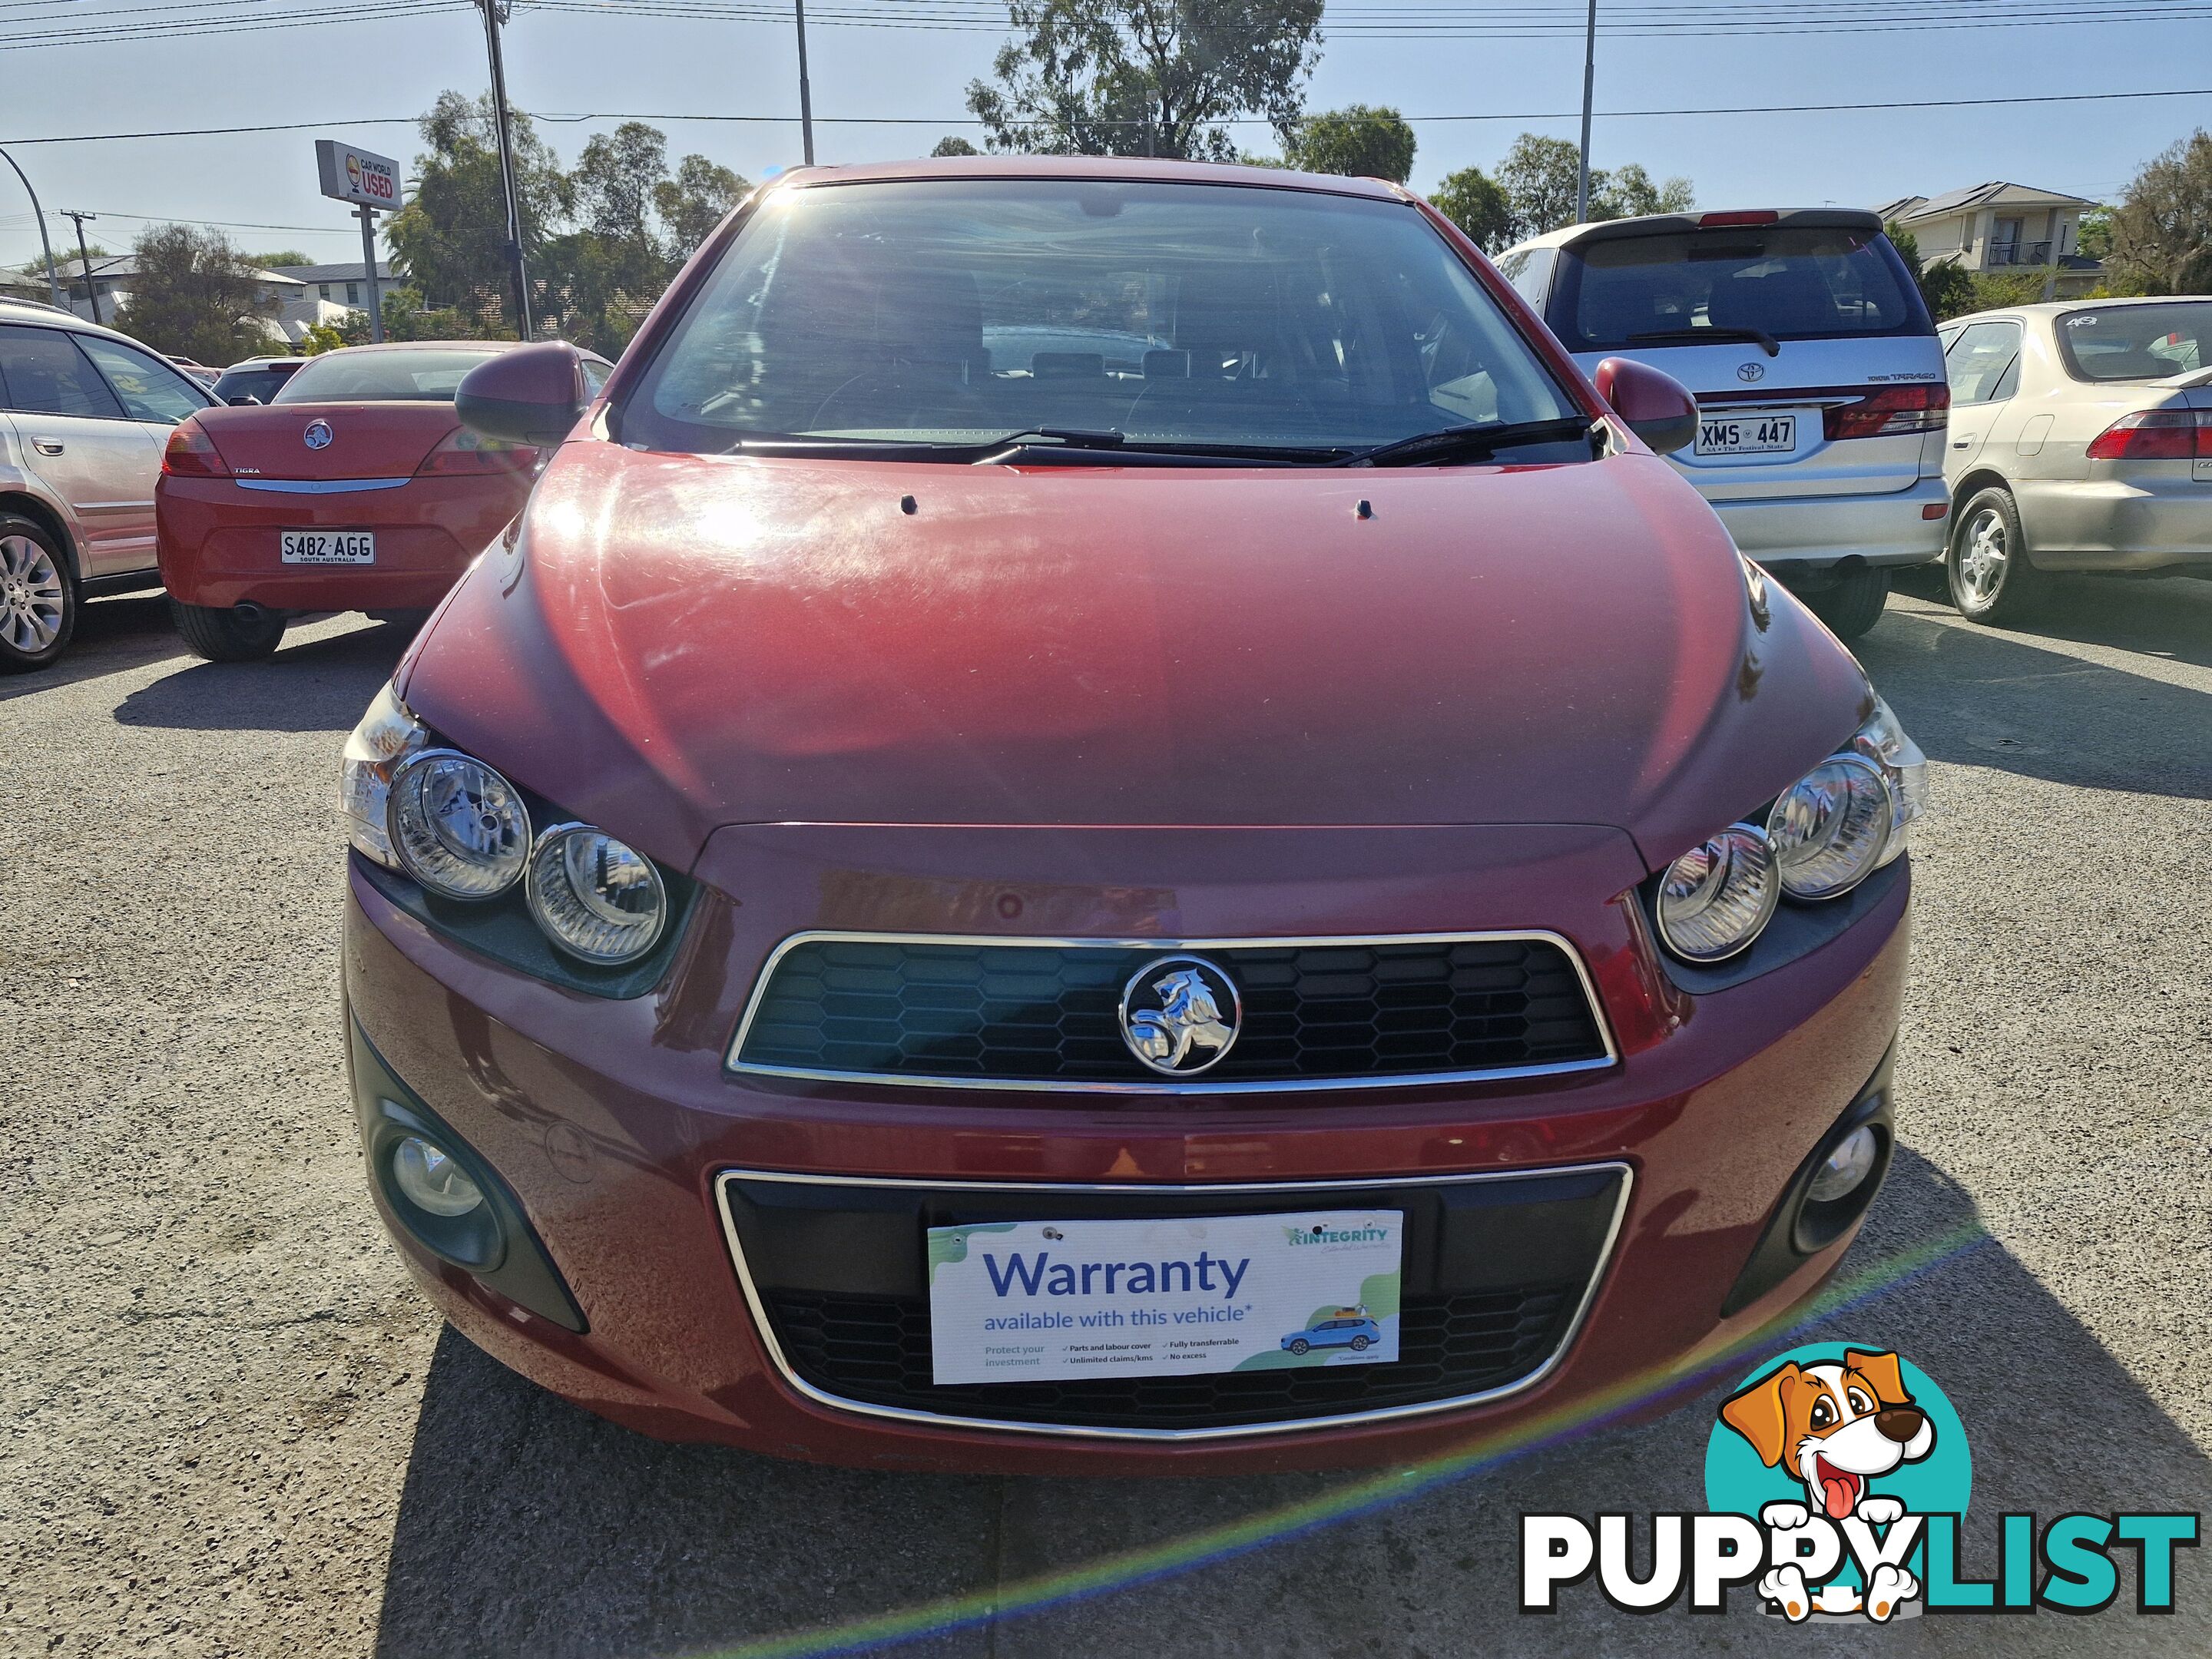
(2080, 439)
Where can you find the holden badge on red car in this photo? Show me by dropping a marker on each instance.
(318, 434)
(1172, 1008)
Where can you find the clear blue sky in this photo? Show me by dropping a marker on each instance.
(609, 58)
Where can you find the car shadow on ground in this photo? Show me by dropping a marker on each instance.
(112, 636)
(319, 684)
(1999, 697)
(528, 1527)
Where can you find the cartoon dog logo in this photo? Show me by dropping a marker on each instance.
(1836, 1428)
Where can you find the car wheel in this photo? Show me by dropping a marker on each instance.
(1359, 1345)
(1991, 580)
(38, 597)
(1853, 605)
(228, 635)
(1301, 1345)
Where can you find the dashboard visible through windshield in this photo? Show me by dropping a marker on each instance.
(947, 313)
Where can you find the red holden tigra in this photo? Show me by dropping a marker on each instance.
(1102, 818)
(355, 489)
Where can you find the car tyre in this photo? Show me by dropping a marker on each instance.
(39, 596)
(1854, 605)
(1991, 580)
(1359, 1345)
(1300, 1345)
(228, 635)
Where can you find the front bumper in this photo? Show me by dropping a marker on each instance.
(2144, 523)
(1805, 533)
(616, 1127)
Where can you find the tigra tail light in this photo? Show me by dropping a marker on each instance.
(2155, 435)
(467, 451)
(1890, 411)
(192, 453)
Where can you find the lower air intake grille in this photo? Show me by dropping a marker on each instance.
(875, 1351)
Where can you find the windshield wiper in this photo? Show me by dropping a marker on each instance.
(1767, 343)
(1042, 443)
(864, 449)
(1068, 437)
(1483, 439)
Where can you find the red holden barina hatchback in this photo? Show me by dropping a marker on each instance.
(1102, 818)
(356, 487)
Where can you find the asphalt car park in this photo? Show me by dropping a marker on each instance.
(238, 1430)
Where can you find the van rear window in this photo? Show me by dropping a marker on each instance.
(1792, 282)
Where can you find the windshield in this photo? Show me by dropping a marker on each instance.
(2137, 343)
(1789, 282)
(427, 375)
(955, 311)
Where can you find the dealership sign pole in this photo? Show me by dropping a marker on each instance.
(371, 183)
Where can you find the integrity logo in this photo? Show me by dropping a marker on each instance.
(1370, 1234)
(1836, 1479)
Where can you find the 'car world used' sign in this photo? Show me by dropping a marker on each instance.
(357, 175)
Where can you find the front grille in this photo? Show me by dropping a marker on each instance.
(1047, 1015)
(875, 1350)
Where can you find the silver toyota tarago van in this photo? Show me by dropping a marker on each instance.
(1819, 379)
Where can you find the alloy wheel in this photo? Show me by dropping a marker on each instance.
(32, 595)
(1983, 555)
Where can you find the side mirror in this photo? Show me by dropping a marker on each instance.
(242, 402)
(1657, 407)
(531, 395)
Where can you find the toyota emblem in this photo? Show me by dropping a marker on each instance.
(318, 434)
(1748, 372)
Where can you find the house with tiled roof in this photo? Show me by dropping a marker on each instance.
(2000, 227)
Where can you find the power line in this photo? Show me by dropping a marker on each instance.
(217, 224)
(1386, 22)
(569, 117)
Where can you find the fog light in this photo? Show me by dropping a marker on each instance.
(431, 1181)
(1848, 1164)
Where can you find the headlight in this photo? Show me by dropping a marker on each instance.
(458, 827)
(596, 898)
(386, 736)
(1903, 768)
(1831, 827)
(1715, 899)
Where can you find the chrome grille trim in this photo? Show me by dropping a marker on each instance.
(725, 1179)
(1165, 1085)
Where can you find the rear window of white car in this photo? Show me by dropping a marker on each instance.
(1788, 282)
(2137, 343)
(425, 376)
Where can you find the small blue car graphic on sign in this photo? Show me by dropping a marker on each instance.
(1358, 1332)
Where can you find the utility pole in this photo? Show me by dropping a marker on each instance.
(367, 215)
(494, 14)
(53, 283)
(805, 94)
(91, 294)
(1589, 81)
